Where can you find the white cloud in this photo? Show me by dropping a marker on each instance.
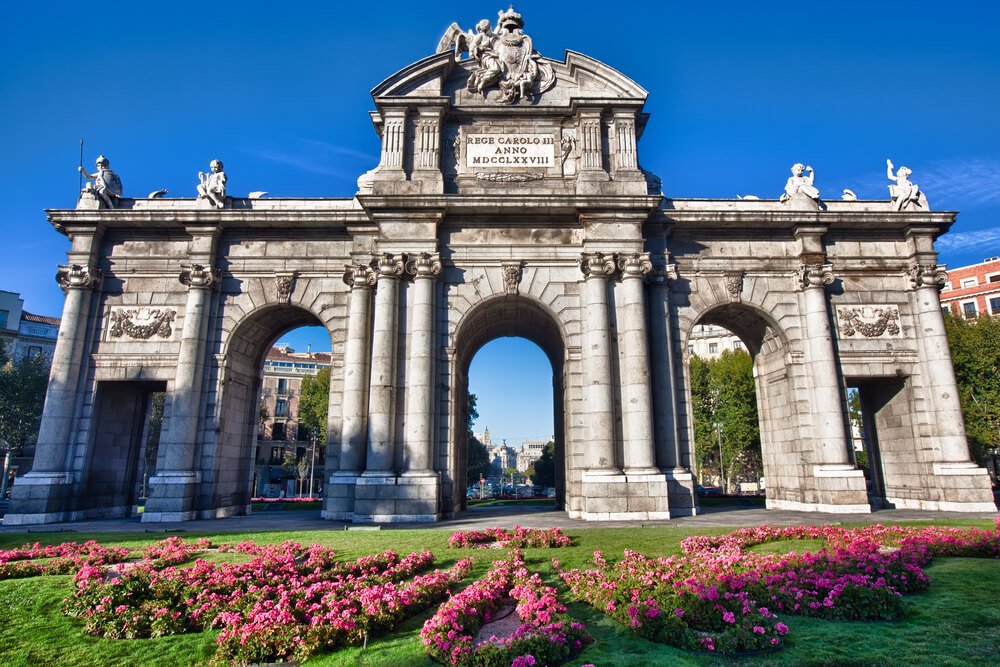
(954, 241)
(961, 183)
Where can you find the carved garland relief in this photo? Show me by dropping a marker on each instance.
(868, 321)
(141, 323)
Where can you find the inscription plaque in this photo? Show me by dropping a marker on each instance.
(510, 150)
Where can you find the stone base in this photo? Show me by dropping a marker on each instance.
(172, 497)
(40, 497)
(837, 489)
(623, 497)
(954, 487)
(408, 498)
(338, 500)
(682, 496)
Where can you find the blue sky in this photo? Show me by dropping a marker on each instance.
(739, 91)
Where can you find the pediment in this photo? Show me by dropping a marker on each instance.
(579, 78)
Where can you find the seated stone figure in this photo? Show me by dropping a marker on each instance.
(212, 187)
(904, 194)
(799, 186)
(106, 186)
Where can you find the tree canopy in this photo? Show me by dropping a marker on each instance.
(314, 403)
(543, 471)
(723, 394)
(22, 396)
(975, 353)
(478, 464)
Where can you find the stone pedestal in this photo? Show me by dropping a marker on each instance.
(624, 498)
(338, 502)
(681, 494)
(40, 497)
(837, 489)
(172, 497)
(403, 499)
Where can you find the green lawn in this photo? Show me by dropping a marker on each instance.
(956, 622)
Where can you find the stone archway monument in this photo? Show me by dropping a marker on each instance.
(509, 200)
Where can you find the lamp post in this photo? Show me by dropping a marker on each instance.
(718, 439)
(312, 459)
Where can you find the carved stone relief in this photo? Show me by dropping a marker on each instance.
(927, 275)
(868, 321)
(284, 283)
(76, 276)
(501, 177)
(733, 281)
(814, 275)
(141, 323)
(198, 275)
(511, 277)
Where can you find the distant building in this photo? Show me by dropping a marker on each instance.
(531, 451)
(280, 431)
(709, 341)
(973, 290)
(25, 334)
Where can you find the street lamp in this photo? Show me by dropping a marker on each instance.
(314, 434)
(718, 439)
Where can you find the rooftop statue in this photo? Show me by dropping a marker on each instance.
(904, 194)
(799, 186)
(212, 187)
(504, 56)
(106, 187)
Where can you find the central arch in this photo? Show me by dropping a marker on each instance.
(501, 317)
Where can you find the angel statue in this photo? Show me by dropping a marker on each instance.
(504, 56)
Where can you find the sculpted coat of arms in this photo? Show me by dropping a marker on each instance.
(504, 57)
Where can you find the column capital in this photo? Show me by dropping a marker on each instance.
(927, 275)
(663, 274)
(198, 276)
(635, 265)
(814, 276)
(359, 276)
(75, 276)
(388, 266)
(598, 265)
(424, 265)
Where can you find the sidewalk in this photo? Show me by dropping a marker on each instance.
(305, 520)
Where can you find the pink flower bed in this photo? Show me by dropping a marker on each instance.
(720, 597)
(288, 602)
(545, 636)
(516, 538)
(56, 559)
(298, 499)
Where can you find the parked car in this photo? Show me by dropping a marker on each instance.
(708, 491)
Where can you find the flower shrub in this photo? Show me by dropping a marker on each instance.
(545, 636)
(720, 597)
(287, 602)
(516, 538)
(56, 559)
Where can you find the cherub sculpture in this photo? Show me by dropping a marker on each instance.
(799, 186)
(212, 187)
(904, 194)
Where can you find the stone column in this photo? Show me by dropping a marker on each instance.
(597, 396)
(827, 403)
(420, 369)
(640, 456)
(382, 391)
(942, 389)
(393, 140)
(667, 446)
(590, 138)
(55, 432)
(624, 144)
(173, 488)
(353, 432)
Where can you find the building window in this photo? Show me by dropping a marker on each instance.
(737, 345)
(278, 431)
(993, 278)
(995, 305)
(281, 408)
(969, 310)
(282, 386)
(946, 310)
(277, 456)
(34, 351)
(3, 318)
(969, 282)
(713, 348)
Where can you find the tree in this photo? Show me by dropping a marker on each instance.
(22, 396)
(478, 462)
(723, 394)
(314, 403)
(543, 471)
(975, 353)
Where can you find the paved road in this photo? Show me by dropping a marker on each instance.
(506, 517)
